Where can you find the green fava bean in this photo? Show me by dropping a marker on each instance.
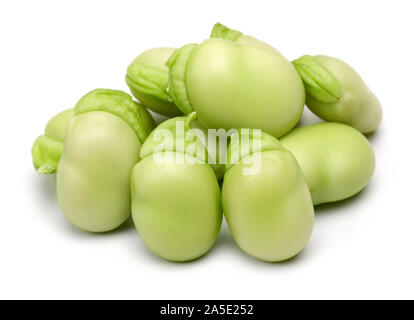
(337, 160)
(102, 144)
(147, 77)
(176, 199)
(233, 84)
(335, 92)
(47, 148)
(265, 199)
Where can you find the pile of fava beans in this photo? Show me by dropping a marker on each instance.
(230, 144)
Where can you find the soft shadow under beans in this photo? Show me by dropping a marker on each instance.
(333, 207)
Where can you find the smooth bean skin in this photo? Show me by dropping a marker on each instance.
(56, 127)
(102, 145)
(93, 176)
(176, 208)
(337, 160)
(269, 214)
(176, 198)
(47, 148)
(353, 102)
(234, 85)
(147, 78)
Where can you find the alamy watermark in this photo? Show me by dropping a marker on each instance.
(212, 147)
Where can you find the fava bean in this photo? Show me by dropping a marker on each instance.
(147, 77)
(268, 210)
(234, 85)
(336, 159)
(102, 144)
(335, 92)
(176, 204)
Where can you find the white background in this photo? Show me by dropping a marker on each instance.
(52, 53)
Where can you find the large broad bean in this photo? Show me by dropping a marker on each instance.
(233, 84)
(265, 199)
(102, 144)
(176, 204)
(337, 160)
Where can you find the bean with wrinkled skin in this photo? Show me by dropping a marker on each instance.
(147, 77)
(336, 93)
(47, 148)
